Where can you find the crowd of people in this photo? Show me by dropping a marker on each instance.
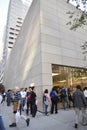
(77, 99)
(24, 99)
(18, 98)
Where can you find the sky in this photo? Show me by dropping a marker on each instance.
(3, 15)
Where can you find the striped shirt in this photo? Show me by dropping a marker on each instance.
(17, 97)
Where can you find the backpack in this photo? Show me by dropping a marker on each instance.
(45, 100)
(63, 93)
(54, 95)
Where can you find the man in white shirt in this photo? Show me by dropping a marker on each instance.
(23, 98)
(85, 92)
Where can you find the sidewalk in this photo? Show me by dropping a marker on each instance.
(64, 120)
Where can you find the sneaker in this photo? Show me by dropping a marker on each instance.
(76, 125)
(47, 114)
(84, 124)
(13, 125)
(33, 115)
(27, 121)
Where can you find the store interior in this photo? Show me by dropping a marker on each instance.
(68, 76)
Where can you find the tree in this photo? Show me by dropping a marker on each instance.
(79, 3)
(79, 19)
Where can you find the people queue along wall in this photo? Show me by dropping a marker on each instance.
(55, 96)
(24, 99)
(62, 94)
(76, 98)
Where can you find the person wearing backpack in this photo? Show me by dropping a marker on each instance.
(47, 101)
(64, 98)
(54, 100)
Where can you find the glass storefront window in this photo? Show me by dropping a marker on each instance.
(68, 76)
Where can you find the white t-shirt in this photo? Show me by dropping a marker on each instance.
(85, 93)
(23, 94)
(0, 99)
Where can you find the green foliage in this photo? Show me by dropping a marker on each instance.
(77, 20)
(84, 47)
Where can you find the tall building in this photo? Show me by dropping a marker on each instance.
(50, 53)
(16, 14)
(17, 11)
(3, 57)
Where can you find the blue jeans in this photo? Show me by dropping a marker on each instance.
(2, 127)
(46, 107)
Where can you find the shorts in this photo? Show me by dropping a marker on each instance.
(15, 107)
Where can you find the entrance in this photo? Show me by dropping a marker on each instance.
(68, 76)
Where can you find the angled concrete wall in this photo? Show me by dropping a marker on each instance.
(45, 39)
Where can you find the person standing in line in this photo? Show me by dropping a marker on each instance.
(64, 98)
(23, 99)
(80, 104)
(85, 92)
(2, 90)
(69, 94)
(54, 100)
(33, 101)
(16, 107)
(29, 104)
(47, 100)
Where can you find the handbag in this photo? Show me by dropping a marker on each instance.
(17, 116)
(25, 106)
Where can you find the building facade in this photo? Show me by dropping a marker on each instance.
(50, 52)
(16, 14)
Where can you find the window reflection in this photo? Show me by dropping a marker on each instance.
(68, 76)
